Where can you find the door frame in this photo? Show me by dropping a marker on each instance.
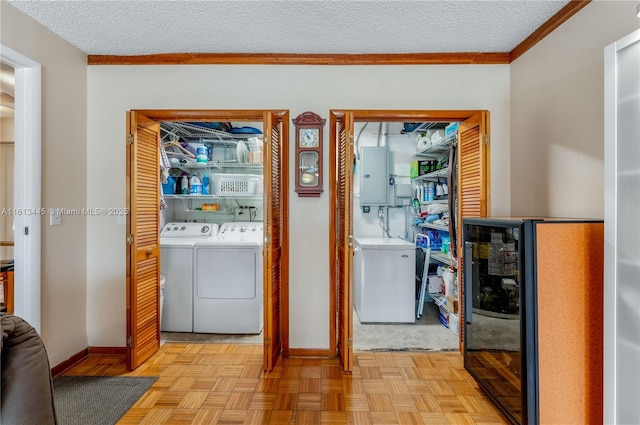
(27, 185)
(361, 115)
(239, 115)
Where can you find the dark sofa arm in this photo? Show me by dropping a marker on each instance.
(26, 384)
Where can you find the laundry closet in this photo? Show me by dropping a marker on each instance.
(211, 232)
(404, 277)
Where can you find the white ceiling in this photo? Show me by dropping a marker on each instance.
(136, 27)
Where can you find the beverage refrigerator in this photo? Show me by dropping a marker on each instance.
(533, 316)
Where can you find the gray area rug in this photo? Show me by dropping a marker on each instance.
(96, 400)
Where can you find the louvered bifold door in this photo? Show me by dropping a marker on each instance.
(473, 180)
(344, 241)
(473, 166)
(143, 255)
(275, 225)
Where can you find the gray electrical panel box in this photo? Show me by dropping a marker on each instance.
(374, 163)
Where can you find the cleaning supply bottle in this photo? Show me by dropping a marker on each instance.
(205, 184)
(184, 184)
(196, 186)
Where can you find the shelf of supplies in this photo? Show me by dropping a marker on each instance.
(219, 164)
(438, 299)
(187, 130)
(213, 196)
(443, 258)
(435, 201)
(434, 175)
(437, 148)
(433, 226)
(209, 212)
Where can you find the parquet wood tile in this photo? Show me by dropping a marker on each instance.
(383, 418)
(217, 384)
(409, 418)
(338, 418)
(309, 401)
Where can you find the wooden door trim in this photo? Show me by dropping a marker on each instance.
(207, 114)
(284, 271)
(241, 115)
(360, 115)
(334, 118)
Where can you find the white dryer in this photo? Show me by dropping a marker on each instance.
(176, 264)
(228, 270)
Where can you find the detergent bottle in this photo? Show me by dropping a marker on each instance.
(184, 184)
(205, 184)
(196, 186)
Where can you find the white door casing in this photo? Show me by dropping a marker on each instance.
(27, 184)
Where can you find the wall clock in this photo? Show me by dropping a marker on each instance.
(308, 154)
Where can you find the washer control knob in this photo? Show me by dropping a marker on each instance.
(243, 229)
(205, 229)
(183, 228)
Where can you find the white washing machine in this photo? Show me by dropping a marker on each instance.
(227, 280)
(176, 264)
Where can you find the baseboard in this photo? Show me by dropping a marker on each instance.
(309, 352)
(74, 359)
(108, 350)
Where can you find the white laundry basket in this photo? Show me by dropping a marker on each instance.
(162, 280)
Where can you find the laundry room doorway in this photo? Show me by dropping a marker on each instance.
(468, 196)
(143, 225)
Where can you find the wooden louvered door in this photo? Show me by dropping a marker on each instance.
(276, 180)
(344, 241)
(473, 182)
(143, 253)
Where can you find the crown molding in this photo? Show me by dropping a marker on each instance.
(301, 59)
(463, 58)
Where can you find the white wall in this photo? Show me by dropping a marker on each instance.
(6, 128)
(557, 114)
(401, 153)
(112, 90)
(64, 131)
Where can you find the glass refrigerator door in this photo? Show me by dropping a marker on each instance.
(493, 314)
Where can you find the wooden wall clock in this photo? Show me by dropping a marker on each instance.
(308, 154)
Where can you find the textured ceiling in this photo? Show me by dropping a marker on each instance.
(133, 27)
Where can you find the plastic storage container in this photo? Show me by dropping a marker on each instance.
(236, 184)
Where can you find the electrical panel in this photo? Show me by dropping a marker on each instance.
(374, 164)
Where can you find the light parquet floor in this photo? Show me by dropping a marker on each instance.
(225, 384)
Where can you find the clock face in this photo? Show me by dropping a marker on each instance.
(309, 137)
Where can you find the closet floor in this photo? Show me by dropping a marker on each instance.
(425, 334)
